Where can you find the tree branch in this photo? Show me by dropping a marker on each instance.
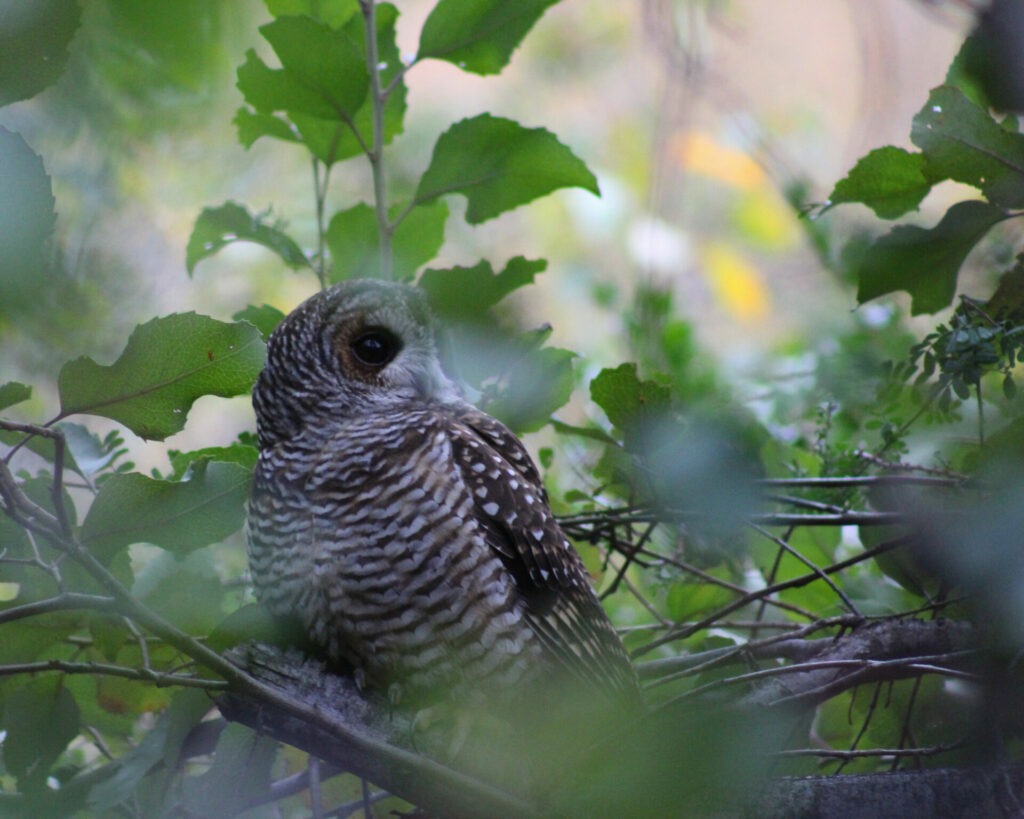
(327, 716)
(885, 650)
(918, 794)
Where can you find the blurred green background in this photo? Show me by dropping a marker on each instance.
(699, 117)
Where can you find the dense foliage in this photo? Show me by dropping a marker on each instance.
(842, 559)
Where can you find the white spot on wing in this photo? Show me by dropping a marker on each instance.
(491, 508)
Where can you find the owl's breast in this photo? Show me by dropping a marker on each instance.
(379, 553)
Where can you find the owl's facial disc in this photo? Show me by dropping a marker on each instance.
(382, 337)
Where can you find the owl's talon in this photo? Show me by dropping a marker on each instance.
(423, 720)
(394, 693)
(359, 675)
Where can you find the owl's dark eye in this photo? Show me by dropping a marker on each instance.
(375, 347)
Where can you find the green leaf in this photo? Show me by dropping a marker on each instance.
(239, 775)
(390, 59)
(86, 448)
(354, 240)
(328, 140)
(539, 383)
(418, 238)
(334, 13)
(14, 392)
(188, 593)
(466, 293)
(252, 125)
(235, 454)
(924, 262)
(1008, 299)
(84, 452)
(890, 181)
(962, 142)
(264, 318)
(40, 720)
(686, 601)
(899, 564)
(160, 746)
(218, 227)
(268, 90)
(167, 364)
(498, 165)
(323, 71)
(180, 516)
(478, 35)
(34, 39)
(27, 218)
(963, 72)
(591, 433)
(626, 399)
(253, 622)
(988, 66)
(329, 137)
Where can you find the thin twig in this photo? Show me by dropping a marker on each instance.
(157, 678)
(807, 504)
(652, 610)
(796, 582)
(906, 734)
(933, 750)
(858, 669)
(630, 556)
(707, 577)
(810, 565)
(316, 798)
(867, 719)
(62, 602)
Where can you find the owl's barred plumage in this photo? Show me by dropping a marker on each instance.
(407, 531)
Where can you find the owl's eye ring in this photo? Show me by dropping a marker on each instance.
(375, 347)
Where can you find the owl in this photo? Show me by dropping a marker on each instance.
(407, 531)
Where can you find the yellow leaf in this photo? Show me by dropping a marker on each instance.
(701, 154)
(737, 285)
(764, 219)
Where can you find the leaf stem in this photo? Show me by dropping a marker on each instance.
(981, 415)
(320, 189)
(376, 154)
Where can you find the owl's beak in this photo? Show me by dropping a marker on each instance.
(423, 383)
(433, 385)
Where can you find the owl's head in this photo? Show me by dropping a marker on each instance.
(359, 346)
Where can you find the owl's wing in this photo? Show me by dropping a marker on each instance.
(512, 507)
